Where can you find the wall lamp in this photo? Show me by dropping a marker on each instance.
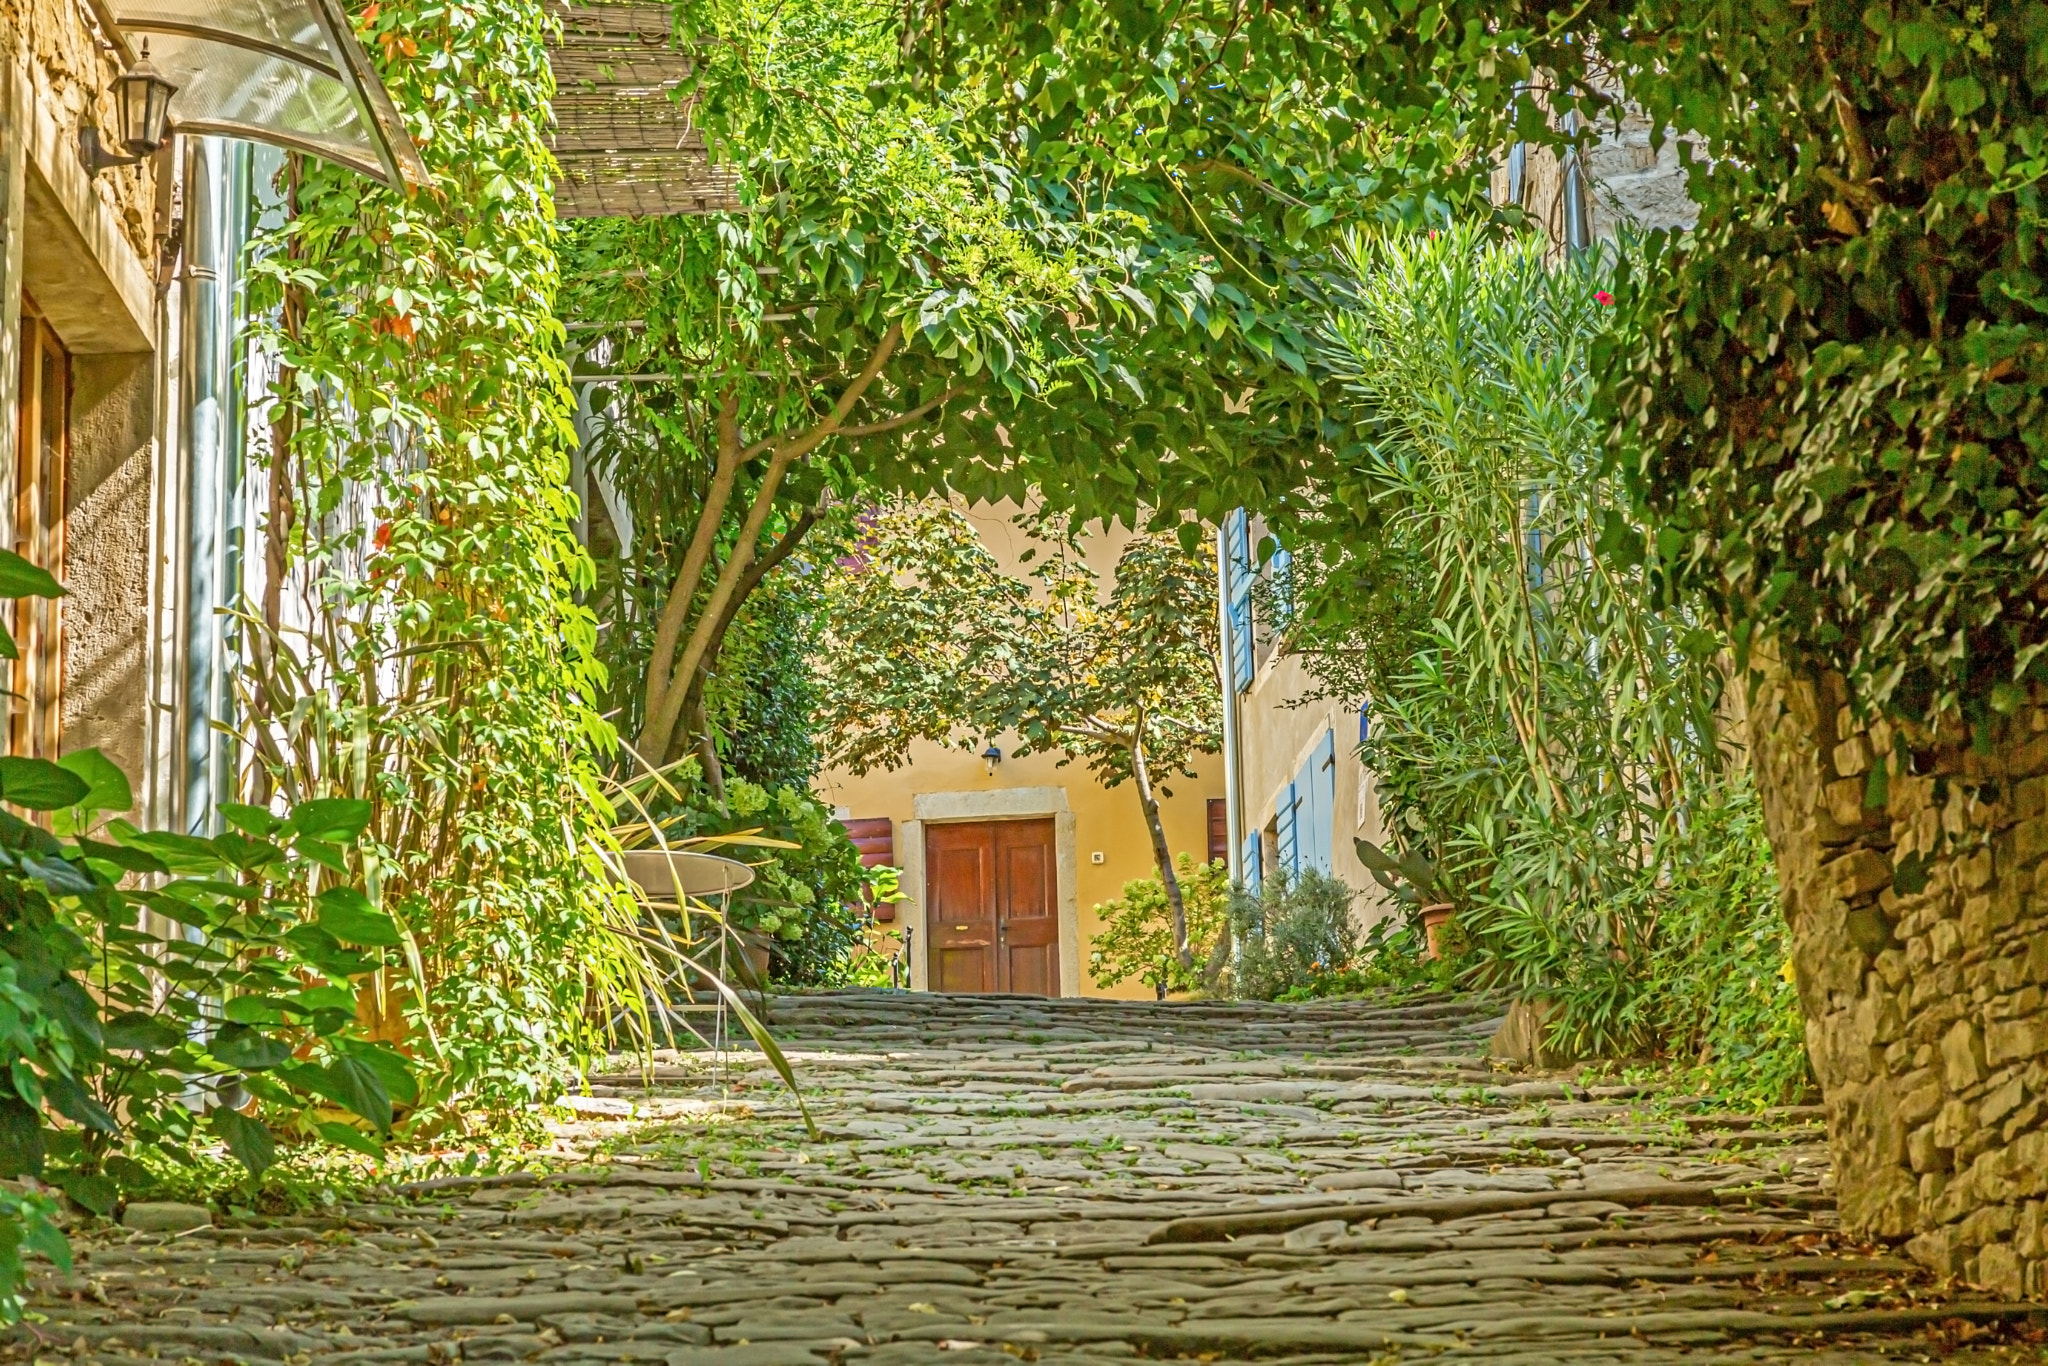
(142, 99)
(991, 756)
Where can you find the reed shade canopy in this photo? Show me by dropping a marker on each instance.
(285, 72)
(623, 138)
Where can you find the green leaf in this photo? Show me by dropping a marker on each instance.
(96, 1193)
(347, 1136)
(335, 820)
(1965, 95)
(72, 1101)
(21, 1138)
(248, 1139)
(238, 1045)
(255, 1010)
(348, 915)
(349, 1083)
(20, 579)
(250, 820)
(39, 785)
(107, 786)
(391, 1067)
(179, 853)
(134, 1032)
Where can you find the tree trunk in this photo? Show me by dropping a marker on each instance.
(1149, 803)
(1920, 938)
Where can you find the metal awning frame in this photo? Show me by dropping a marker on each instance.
(398, 161)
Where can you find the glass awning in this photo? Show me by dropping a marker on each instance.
(288, 72)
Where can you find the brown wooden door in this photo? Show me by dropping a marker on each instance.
(993, 907)
(42, 442)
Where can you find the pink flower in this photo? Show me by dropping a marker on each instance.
(1605, 299)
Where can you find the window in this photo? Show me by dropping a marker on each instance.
(42, 442)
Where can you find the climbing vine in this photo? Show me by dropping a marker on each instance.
(1835, 409)
(418, 644)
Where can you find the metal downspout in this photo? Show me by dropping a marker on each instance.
(216, 188)
(1233, 817)
(1578, 217)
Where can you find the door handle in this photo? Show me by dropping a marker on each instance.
(962, 929)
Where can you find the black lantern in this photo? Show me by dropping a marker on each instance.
(142, 99)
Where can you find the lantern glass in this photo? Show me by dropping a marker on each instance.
(143, 99)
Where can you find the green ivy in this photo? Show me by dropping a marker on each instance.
(418, 500)
(1834, 410)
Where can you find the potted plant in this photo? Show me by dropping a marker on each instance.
(1411, 880)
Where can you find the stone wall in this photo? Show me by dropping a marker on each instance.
(1920, 936)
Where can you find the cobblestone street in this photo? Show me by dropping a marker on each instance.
(1069, 1181)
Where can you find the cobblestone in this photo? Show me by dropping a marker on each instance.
(1004, 1178)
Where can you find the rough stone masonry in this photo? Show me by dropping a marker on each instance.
(1920, 932)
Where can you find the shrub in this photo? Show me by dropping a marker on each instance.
(1292, 933)
(1137, 930)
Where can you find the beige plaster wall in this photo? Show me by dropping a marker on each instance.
(1106, 821)
(1276, 734)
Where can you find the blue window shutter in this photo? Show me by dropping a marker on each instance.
(1322, 785)
(1252, 855)
(1237, 570)
(1241, 658)
(1284, 819)
(1364, 722)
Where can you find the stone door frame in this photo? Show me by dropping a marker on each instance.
(1013, 803)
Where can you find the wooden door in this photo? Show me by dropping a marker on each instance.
(41, 450)
(993, 907)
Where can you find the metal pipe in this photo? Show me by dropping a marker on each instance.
(200, 422)
(217, 196)
(1578, 224)
(1233, 819)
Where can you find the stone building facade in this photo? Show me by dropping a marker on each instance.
(1920, 933)
(79, 343)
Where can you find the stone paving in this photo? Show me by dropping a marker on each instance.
(1001, 1178)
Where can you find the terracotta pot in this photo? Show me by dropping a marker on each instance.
(755, 946)
(1434, 918)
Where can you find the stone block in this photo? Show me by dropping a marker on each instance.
(1944, 940)
(1951, 1125)
(1857, 874)
(1844, 808)
(165, 1216)
(2002, 1101)
(1919, 1097)
(2030, 797)
(1997, 1268)
(2030, 839)
(1923, 1154)
(1933, 1250)
(2029, 1231)
(2010, 1040)
(1962, 1056)
(1973, 870)
(1852, 756)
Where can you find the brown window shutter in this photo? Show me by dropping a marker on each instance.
(875, 837)
(1219, 830)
